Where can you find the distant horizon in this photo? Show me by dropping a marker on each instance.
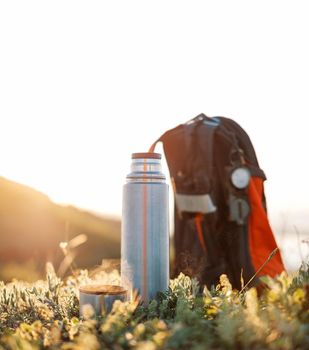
(280, 220)
(290, 228)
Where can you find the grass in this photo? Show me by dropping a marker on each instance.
(44, 315)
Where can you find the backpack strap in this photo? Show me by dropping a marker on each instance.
(198, 218)
(189, 131)
(207, 127)
(153, 146)
(208, 141)
(229, 129)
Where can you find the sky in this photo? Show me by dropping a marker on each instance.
(83, 84)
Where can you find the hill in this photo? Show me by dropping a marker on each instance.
(32, 227)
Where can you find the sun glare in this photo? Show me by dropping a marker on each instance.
(79, 97)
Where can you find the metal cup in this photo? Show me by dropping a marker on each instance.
(100, 298)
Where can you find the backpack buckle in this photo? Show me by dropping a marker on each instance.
(239, 209)
(195, 203)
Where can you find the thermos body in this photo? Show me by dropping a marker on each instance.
(145, 228)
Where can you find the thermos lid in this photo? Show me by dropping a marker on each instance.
(102, 289)
(146, 155)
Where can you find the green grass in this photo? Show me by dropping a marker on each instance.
(44, 315)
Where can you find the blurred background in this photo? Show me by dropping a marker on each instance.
(85, 84)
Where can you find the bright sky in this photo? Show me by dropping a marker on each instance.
(83, 84)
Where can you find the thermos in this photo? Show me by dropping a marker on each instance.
(145, 228)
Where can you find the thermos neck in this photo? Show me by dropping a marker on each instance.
(146, 167)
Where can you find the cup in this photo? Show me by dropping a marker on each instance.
(100, 298)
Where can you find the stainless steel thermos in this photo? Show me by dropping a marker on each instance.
(145, 228)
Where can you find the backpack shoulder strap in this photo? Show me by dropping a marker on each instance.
(244, 143)
(208, 129)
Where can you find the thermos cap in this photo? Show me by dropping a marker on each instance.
(95, 300)
(146, 155)
(102, 289)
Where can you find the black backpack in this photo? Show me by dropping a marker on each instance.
(211, 163)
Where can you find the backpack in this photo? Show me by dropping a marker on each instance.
(220, 217)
